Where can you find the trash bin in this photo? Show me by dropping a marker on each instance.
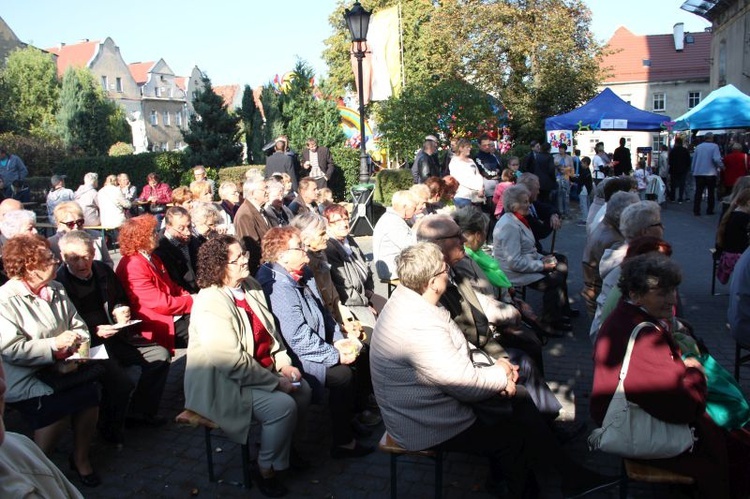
(361, 219)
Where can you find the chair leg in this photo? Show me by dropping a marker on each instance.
(439, 475)
(209, 455)
(737, 352)
(394, 477)
(713, 279)
(246, 480)
(623, 481)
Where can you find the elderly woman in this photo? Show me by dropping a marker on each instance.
(350, 271)
(157, 194)
(276, 212)
(606, 235)
(230, 202)
(162, 305)
(315, 342)
(432, 395)
(637, 220)
(39, 329)
(86, 197)
(182, 197)
(201, 191)
(18, 222)
(238, 369)
(514, 248)
(112, 203)
(69, 216)
(658, 380)
(732, 236)
(206, 219)
(465, 171)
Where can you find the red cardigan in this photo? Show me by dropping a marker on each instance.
(657, 379)
(154, 297)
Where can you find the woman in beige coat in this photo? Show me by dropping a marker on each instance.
(237, 367)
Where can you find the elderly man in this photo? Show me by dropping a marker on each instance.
(58, 194)
(250, 223)
(281, 162)
(85, 196)
(392, 233)
(305, 201)
(12, 170)
(178, 249)
(705, 167)
(606, 235)
(200, 175)
(425, 165)
(317, 162)
(431, 395)
(637, 220)
(480, 316)
(96, 293)
(276, 213)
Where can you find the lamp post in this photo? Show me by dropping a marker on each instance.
(358, 20)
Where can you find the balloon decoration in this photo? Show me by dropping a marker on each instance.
(350, 126)
(281, 84)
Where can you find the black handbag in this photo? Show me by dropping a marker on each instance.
(492, 410)
(86, 373)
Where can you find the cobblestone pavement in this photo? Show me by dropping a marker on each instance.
(170, 462)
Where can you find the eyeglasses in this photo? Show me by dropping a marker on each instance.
(303, 249)
(338, 221)
(658, 224)
(245, 255)
(445, 269)
(75, 223)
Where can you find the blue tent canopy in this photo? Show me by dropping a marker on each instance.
(607, 111)
(725, 107)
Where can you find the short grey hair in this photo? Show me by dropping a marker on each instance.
(420, 191)
(403, 199)
(225, 188)
(512, 197)
(616, 204)
(76, 237)
(274, 185)
(309, 224)
(14, 220)
(203, 213)
(252, 183)
(91, 178)
(638, 217)
(527, 179)
(470, 220)
(417, 264)
(644, 272)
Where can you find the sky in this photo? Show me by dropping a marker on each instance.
(250, 41)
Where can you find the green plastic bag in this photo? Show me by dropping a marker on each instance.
(490, 267)
(725, 402)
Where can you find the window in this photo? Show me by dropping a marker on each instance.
(104, 83)
(157, 91)
(656, 142)
(154, 117)
(660, 101)
(118, 85)
(164, 146)
(165, 118)
(693, 99)
(178, 118)
(626, 97)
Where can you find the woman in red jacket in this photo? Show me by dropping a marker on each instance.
(162, 305)
(659, 381)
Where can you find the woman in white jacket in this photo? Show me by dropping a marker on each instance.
(112, 203)
(465, 171)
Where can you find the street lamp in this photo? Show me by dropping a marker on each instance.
(358, 20)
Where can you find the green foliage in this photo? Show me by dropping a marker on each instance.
(451, 108)
(83, 111)
(213, 134)
(236, 174)
(346, 175)
(387, 182)
(30, 92)
(168, 165)
(187, 177)
(121, 149)
(39, 155)
(252, 125)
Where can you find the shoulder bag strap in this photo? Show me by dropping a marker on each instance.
(628, 354)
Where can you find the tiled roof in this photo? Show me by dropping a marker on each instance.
(181, 82)
(229, 93)
(664, 62)
(77, 55)
(139, 71)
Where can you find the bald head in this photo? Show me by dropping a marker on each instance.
(445, 232)
(9, 205)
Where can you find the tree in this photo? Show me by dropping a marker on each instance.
(213, 133)
(30, 93)
(87, 121)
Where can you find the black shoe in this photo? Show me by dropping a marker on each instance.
(90, 480)
(572, 312)
(561, 325)
(149, 421)
(359, 450)
(297, 462)
(360, 430)
(589, 483)
(113, 436)
(269, 487)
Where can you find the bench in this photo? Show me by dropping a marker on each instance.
(193, 419)
(388, 445)
(641, 472)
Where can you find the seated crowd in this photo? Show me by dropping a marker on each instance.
(275, 304)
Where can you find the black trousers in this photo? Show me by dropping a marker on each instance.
(703, 182)
(554, 285)
(349, 387)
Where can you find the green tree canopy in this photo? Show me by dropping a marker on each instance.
(30, 93)
(87, 120)
(213, 133)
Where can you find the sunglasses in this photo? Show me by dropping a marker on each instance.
(75, 223)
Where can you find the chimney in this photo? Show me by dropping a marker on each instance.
(679, 36)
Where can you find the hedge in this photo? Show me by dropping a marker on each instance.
(387, 182)
(168, 165)
(39, 155)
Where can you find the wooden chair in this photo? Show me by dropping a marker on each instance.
(740, 359)
(387, 444)
(715, 257)
(391, 283)
(640, 472)
(190, 418)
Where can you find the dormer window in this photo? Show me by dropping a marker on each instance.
(646, 63)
